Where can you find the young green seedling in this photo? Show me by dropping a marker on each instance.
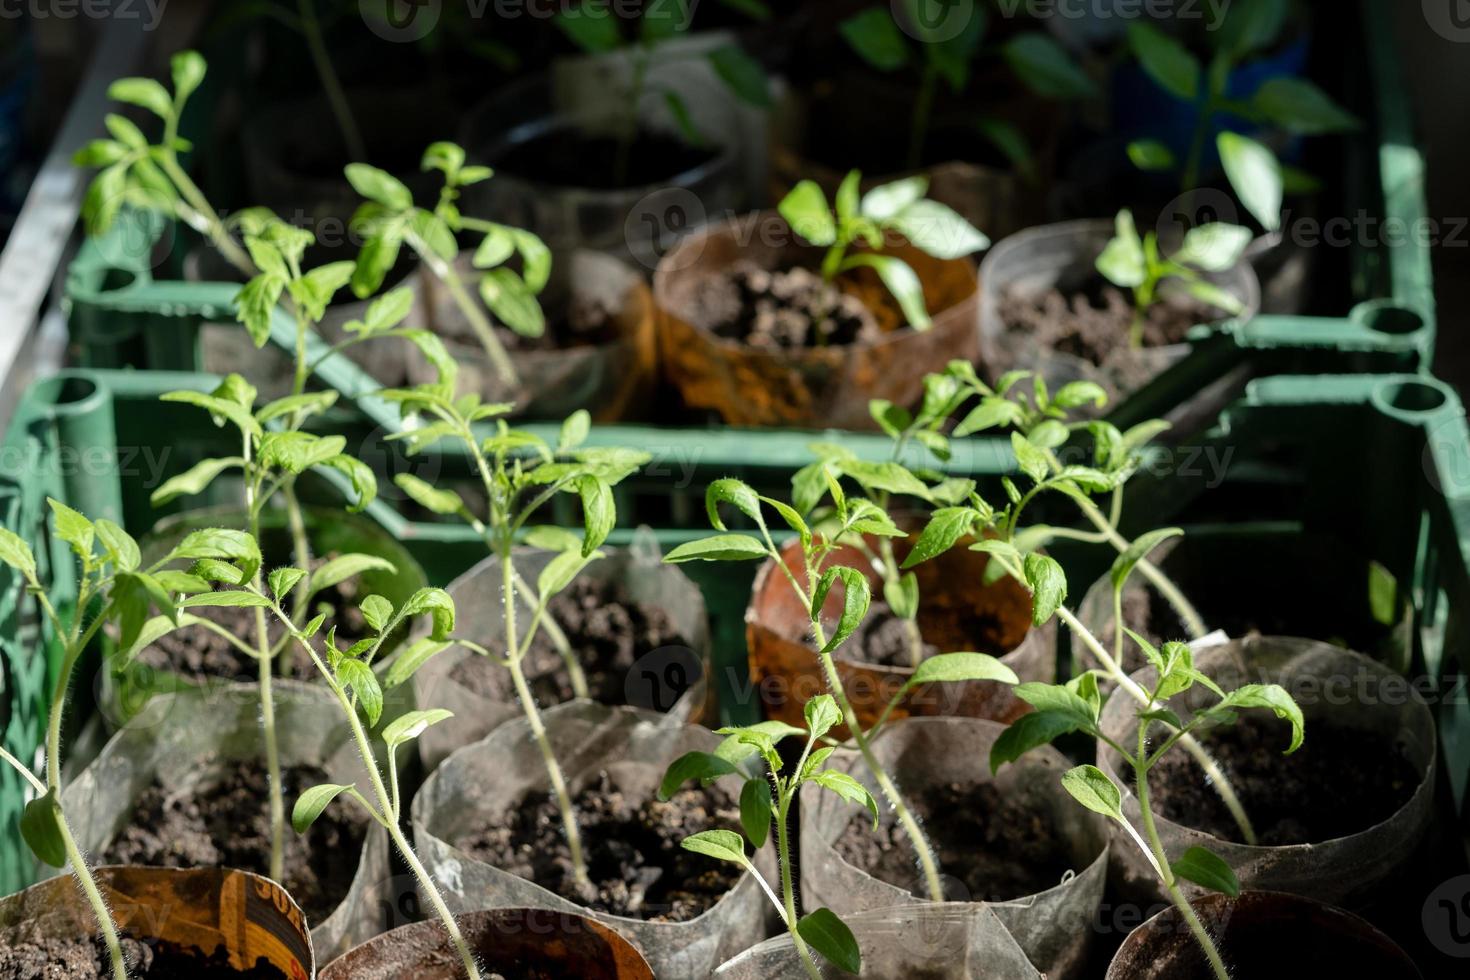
(520, 473)
(770, 795)
(1251, 28)
(1077, 705)
(1134, 263)
(848, 518)
(596, 33)
(1036, 59)
(390, 220)
(112, 589)
(933, 228)
(274, 453)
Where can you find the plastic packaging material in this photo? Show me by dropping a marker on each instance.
(1315, 937)
(1053, 927)
(812, 387)
(673, 680)
(1334, 604)
(251, 918)
(957, 612)
(1332, 685)
(635, 222)
(1062, 256)
(513, 940)
(917, 942)
(484, 781)
(612, 377)
(187, 737)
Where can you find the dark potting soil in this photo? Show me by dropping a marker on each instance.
(790, 308)
(883, 640)
(1093, 322)
(997, 848)
(607, 633)
(1341, 781)
(228, 825)
(569, 158)
(196, 651)
(84, 959)
(634, 860)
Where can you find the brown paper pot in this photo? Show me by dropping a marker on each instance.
(613, 379)
(1054, 927)
(1033, 261)
(518, 942)
(189, 736)
(953, 599)
(249, 919)
(484, 781)
(816, 387)
(1263, 936)
(680, 675)
(1331, 685)
(932, 942)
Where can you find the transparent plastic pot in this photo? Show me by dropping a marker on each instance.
(515, 941)
(1062, 256)
(671, 680)
(1054, 927)
(189, 737)
(917, 942)
(1332, 685)
(483, 782)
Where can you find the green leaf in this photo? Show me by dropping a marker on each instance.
(343, 567)
(560, 571)
(824, 932)
(792, 518)
(1268, 696)
(1135, 552)
(410, 726)
(1151, 156)
(955, 667)
(1030, 457)
(848, 788)
(876, 39)
(592, 29)
(1076, 393)
(378, 255)
(1045, 67)
(40, 826)
(312, 803)
(805, 209)
(313, 292)
(722, 845)
(512, 301)
(73, 528)
(1165, 60)
(1383, 594)
(1204, 867)
(364, 481)
(574, 431)
(283, 580)
(901, 281)
(304, 406)
(296, 452)
(742, 74)
(855, 599)
(120, 546)
(187, 69)
(887, 200)
(1213, 247)
(742, 743)
(144, 92)
(1048, 585)
(433, 232)
(599, 513)
(755, 810)
(845, 202)
(1212, 295)
(379, 186)
(1031, 731)
(902, 596)
(429, 497)
(1091, 787)
(720, 547)
(125, 131)
(359, 677)
(377, 610)
(438, 604)
(938, 230)
(737, 494)
(1122, 261)
(992, 411)
(1047, 434)
(220, 408)
(407, 663)
(821, 714)
(237, 598)
(945, 528)
(702, 766)
(1298, 106)
(1252, 25)
(1255, 176)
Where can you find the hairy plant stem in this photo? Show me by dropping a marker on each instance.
(311, 29)
(923, 109)
(471, 311)
(549, 625)
(1161, 862)
(264, 671)
(788, 886)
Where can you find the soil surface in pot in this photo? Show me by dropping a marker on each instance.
(634, 860)
(570, 158)
(785, 308)
(607, 633)
(228, 825)
(584, 322)
(1093, 322)
(1341, 781)
(997, 848)
(84, 959)
(883, 641)
(196, 651)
